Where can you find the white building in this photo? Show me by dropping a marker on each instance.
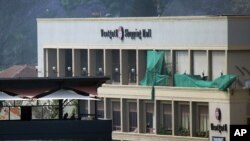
(116, 47)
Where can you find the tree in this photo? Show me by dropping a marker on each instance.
(241, 7)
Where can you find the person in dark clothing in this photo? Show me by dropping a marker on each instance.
(73, 116)
(65, 116)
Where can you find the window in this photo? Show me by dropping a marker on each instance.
(84, 108)
(202, 121)
(149, 117)
(200, 63)
(167, 119)
(99, 62)
(132, 117)
(218, 63)
(100, 109)
(15, 113)
(68, 62)
(84, 62)
(116, 115)
(203, 118)
(4, 113)
(11, 110)
(181, 61)
(185, 116)
(132, 66)
(183, 125)
(115, 66)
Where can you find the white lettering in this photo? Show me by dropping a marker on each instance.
(239, 132)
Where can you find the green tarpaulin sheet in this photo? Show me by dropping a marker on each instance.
(156, 72)
(222, 83)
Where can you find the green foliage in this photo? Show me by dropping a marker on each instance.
(183, 132)
(71, 4)
(203, 134)
(241, 6)
(163, 131)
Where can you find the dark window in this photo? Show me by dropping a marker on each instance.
(100, 109)
(149, 117)
(167, 118)
(116, 116)
(132, 117)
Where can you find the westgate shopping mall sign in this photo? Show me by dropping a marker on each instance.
(122, 33)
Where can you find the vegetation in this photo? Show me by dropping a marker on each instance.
(18, 36)
(203, 134)
(163, 131)
(183, 132)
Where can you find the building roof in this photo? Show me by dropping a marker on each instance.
(19, 71)
(38, 87)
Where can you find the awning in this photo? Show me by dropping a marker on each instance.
(4, 96)
(65, 94)
(35, 88)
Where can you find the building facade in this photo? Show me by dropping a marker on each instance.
(209, 46)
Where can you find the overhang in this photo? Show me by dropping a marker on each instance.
(38, 87)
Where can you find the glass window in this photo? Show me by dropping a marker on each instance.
(48, 102)
(185, 116)
(70, 107)
(37, 112)
(218, 63)
(181, 61)
(50, 112)
(184, 120)
(68, 62)
(7, 103)
(100, 109)
(26, 103)
(84, 62)
(4, 113)
(115, 66)
(202, 115)
(15, 113)
(132, 117)
(200, 63)
(116, 115)
(99, 63)
(166, 127)
(132, 66)
(149, 117)
(83, 108)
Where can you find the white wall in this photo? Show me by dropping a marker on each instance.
(167, 33)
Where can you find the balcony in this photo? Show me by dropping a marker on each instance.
(56, 129)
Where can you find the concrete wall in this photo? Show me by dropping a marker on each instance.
(238, 64)
(238, 33)
(167, 33)
(228, 102)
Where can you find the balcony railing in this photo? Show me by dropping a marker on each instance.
(56, 129)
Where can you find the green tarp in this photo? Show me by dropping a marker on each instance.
(156, 73)
(222, 83)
